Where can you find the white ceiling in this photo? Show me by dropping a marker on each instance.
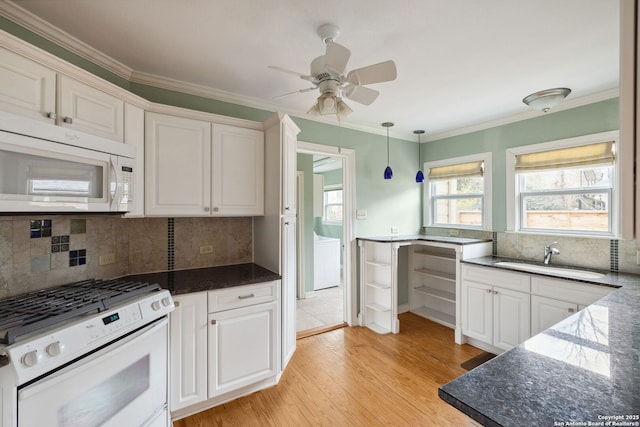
(460, 63)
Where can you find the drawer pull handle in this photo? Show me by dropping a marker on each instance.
(213, 322)
(489, 290)
(246, 296)
(571, 310)
(68, 120)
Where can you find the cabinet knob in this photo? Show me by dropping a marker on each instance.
(52, 116)
(216, 209)
(68, 120)
(176, 303)
(495, 292)
(206, 209)
(286, 223)
(571, 310)
(488, 290)
(213, 322)
(286, 208)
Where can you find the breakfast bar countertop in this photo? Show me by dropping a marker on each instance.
(583, 371)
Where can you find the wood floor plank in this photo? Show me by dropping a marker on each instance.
(355, 377)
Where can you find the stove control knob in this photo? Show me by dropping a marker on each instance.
(155, 305)
(54, 349)
(166, 301)
(31, 358)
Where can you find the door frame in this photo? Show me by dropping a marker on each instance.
(300, 291)
(348, 157)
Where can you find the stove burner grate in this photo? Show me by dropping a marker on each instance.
(32, 311)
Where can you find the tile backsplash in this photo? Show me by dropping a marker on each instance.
(40, 252)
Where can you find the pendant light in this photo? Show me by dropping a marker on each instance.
(388, 173)
(419, 175)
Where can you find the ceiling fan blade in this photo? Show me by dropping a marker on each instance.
(295, 73)
(376, 73)
(361, 94)
(336, 58)
(295, 91)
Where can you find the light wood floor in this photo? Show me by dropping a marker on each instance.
(355, 377)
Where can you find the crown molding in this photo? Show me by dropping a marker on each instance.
(39, 26)
(530, 114)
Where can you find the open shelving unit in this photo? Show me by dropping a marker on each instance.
(432, 282)
(379, 265)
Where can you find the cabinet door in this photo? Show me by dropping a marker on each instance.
(188, 350)
(237, 171)
(86, 109)
(289, 156)
(511, 317)
(242, 347)
(288, 271)
(26, 87)
(177, 166)
(477, 309)
(546, 312)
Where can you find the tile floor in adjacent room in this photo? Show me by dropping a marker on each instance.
(320, 308)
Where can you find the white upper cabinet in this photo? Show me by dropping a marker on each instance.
(238, 171)
(289, 157)
(26, 87)
(177, 166)
(86, 109)
(190, 173)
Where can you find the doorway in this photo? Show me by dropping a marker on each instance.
(325, 185)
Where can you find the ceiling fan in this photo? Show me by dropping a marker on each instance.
(328, 75)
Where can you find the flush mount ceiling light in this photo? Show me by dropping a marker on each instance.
(388, 173)
(546, 99)
(419, 175)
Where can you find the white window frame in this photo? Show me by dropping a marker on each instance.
(513, 197)
(487, 222)
(331, 187)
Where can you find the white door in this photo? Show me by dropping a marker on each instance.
(288, 288)
(90, 110)
(477, 311)
(188, 350)
(124, 384)
(242, 347)
(237, 171)
(177, 166)
(546, 312)
(510, 318)
(26, 87)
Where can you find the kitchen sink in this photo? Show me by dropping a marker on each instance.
(533, 268)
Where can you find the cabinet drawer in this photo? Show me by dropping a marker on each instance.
(496, 277)
(242, 296)
(567, 290)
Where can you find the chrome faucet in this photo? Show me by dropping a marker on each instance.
(548, 251)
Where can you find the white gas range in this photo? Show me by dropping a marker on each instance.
(92, 353)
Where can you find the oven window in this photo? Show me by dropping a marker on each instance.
(108, 398)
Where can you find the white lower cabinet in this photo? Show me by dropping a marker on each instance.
(495, 315)
(188, 350)
(242, 347)
(546, 312)
(223, 344)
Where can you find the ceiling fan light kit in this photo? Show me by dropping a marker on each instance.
(545, 100)
(328, 76)
(388, 173)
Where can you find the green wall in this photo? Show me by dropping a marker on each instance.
(593, 118)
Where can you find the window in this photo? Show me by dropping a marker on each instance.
(566, 187)
(457, 192)
(332, 204)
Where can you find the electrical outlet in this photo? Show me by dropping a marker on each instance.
(107, 259)
(394, 230)
(206, 249)
(453, 232)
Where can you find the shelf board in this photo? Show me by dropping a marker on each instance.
(378, 285)
(378, 328)
(438, 274)
(436, 293)
(378, 307)
(378, 263)
(437, 316)
(439, 257)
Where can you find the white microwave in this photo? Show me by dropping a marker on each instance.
(47, 168)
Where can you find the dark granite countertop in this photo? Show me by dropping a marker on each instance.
(582, 370)
(207, 279)
(423, 237)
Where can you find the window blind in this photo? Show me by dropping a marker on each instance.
(601, 153)
(456, 171)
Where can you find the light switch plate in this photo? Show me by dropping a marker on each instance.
(361, 214)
